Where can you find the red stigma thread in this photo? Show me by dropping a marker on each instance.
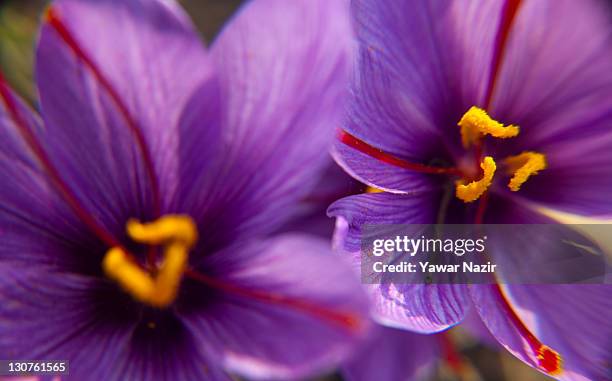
(548, 360)
(385, 157)
(52, 17)
(501, 41)
(40, 153)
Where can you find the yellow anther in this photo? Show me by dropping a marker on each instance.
(472, 191)
(523, 166)
(476, 123)
(169, 276)
(373, 190)
(178, 234)
(167, 228)
(129, 275)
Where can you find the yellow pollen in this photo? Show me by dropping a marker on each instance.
(523, 166)
(476, 123)
(178, 234)
(472, 191)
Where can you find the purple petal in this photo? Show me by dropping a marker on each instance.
(99, 330)
(573, 320)
(286, 308)
(167, 351)
(283, 68)
(378, 173)
(29, 204)
(475, 327)
(538, 250)
(200, 151)
(570, 319)
(383, 209)
(393, 354)
(423, 308)
(578, 178)
(47, 314)
(311, 217)
(111, 100)
(418, 307)
(421, 65)
(555, 78)
(556, 83)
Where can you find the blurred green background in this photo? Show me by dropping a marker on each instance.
(19, 21)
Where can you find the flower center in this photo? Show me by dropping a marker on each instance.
(475, 125)
(178, 234)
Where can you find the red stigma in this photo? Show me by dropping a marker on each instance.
(388, 158)
(40, 153)
(507, 20)
(549, 360)
(52, 17)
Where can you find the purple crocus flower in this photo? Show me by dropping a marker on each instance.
(485, 112)
(136, 217)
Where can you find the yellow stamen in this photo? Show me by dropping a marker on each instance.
(476, 123)
(472, 191)
(168, 228)
(132, 278)
(523, 166)
(373, 190)
(178, 234)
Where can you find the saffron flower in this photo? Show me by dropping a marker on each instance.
(137, 213)
(485, 112)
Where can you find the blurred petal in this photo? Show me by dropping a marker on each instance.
(99, 330)
(416, 58)
(46, 314)
(112, 99)
(418, 307)
(164, 349)
(283, 67)
(394, 355)
(311, 217)
(475, 327)
(201, 160)
(287, 308)
(29, 204)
